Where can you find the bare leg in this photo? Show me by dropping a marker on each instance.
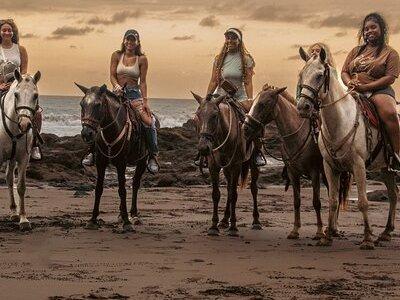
(10, 183)
(254, 192)
(393, 192)
(232, 196)
(295, 180)
(140, 168)
(216, 195)
(101, 169)
(21, 188)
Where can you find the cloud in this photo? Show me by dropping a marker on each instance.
(340, 21)
(67, 31)
(339, 52)
(272, 13)
(294, 57)
(210, 21)
(341, 33)
(29, 36)
(183, 38)
(73, 46)
(116, 18)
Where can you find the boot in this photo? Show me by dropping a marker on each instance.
(394, 163)
(89, 159)
(151, 140)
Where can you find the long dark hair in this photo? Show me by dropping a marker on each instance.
(383, 39)
(224, 51)
(15, 37)
(138, 49)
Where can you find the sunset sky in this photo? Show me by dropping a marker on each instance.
(73, 40)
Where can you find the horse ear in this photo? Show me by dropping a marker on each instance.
(322, 55)
(280, 90)
(82, 88)
(303, 54)
(103, 89)
(17, 75)
(37, 76)
(197, 97)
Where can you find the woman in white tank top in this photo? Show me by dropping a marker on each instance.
(11, 50)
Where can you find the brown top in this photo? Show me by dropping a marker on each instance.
(367, 68)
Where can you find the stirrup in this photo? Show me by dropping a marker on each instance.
(394, 164)
(152, 165)
(259, 159)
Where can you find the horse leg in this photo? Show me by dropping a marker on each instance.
(101, 170)
(360, 178)
(216, 195)
(21, 188)
(127, 225)
(14, 217)
(315, 177)
(225, 220)
(140, 168)
(255, 172)
(295, 180)
(333, 178)
(232, 196)
(390, 182)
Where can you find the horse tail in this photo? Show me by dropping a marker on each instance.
(244, 174)
(344, 188)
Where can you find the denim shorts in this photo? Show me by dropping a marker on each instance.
(384, 91)
(132, 93)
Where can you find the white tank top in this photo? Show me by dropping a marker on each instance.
(11, 54)
(131, 71)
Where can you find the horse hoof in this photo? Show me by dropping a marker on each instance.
(256, 226)
(119, 220)
(25, 226)
(233, 232)
(213, 232)
(318, 236)
(128, 228)
(14, 218)
(324, 242)
(223, 225)
(293, 235)
(136, 221)
(92, 225)
(367, 245)
(384, 237)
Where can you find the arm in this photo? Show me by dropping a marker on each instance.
(377, 84)
(214, 80)
(248, 85)
(24, 60)
(346, 78)
(113, 71)
(143, 66)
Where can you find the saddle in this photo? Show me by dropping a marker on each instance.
(368, 109)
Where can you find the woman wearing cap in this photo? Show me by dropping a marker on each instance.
(12, 51)
(235, 64)
(128, 70)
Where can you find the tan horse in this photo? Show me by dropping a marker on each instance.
(222, 142)
(346, 142)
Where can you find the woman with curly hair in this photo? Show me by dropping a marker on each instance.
(370, 69)
(11, 52)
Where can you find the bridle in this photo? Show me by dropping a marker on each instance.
(256, 124)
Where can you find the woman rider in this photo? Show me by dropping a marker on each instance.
(128, 70)
(235, 64)
(12, 51)
(371, 69)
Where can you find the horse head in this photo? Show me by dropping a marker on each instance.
(207, 122)
(314, 83)
(26, 99)
(261, 113)
(93, 110)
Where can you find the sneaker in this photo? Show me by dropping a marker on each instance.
(259, 159)
(88, 160)
(152, 165)
(36, 154)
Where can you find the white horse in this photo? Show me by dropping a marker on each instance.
(346, 141)
(17, 109)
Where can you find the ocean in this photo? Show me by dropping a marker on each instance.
(61, 114)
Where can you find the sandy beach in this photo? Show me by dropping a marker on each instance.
(171, 257)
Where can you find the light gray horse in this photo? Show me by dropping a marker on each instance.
(346, 142)
(18, 107)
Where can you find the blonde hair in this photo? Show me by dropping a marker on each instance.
(329, 57)
(15, 37)
(219, 60)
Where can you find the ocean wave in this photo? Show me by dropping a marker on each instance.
(62, 119)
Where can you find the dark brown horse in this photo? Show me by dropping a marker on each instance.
(222, 142)
(300, 153)
(106, 123)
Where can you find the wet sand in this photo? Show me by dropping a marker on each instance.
(171, 257)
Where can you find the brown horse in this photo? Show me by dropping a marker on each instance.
(222, 142)
(299, 151)
(106, 123)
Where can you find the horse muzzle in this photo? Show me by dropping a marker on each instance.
(248, 131)
(305, 108)
(24, 123)
(204, 147)
(88, 134)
